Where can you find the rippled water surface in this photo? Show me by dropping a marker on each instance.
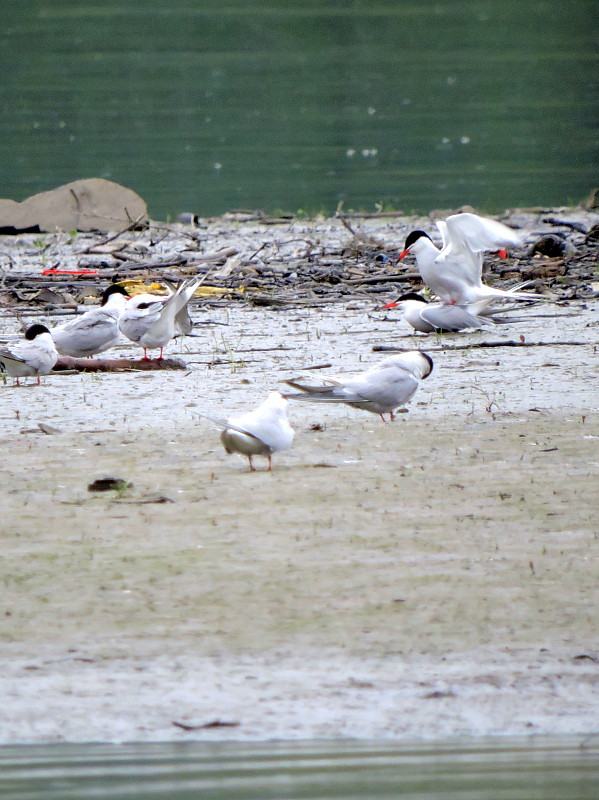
(211, 106)
(497, 769)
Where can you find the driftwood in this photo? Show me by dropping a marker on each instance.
(382, 348)
(219, 257)
(216, 723)
(131, 266)
(405, 276)
(66, 363)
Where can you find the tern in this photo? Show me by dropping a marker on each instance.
(96, 330)
(261, 432)
(427, 317)
(33, 355)
(381, 389)
(152, 321)
(454, 273)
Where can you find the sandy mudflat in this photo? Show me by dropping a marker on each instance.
(430, 577)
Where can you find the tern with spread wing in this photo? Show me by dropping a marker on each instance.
(33, 355)
(454, 273)
(381, 389)
(261, 432)
(152, 321)
(96, 330)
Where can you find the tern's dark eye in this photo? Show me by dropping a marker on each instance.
(144, 305)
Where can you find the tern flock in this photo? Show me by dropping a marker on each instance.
(453, 273)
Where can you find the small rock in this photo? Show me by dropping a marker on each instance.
(552, 246)
(593, 233)
(109, 484)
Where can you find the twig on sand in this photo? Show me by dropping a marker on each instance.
(346, 224)
(17, 313)
(318, 366)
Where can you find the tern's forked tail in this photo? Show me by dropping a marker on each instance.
(490, 293)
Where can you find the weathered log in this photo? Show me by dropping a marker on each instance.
(117, 364)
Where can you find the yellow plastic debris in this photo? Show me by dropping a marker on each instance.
(137, 286)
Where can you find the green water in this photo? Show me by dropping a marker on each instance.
(206, 106)
(539, 768)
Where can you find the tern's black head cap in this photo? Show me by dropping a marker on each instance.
(114, 288)
(412, 296)
(413, 237)
(35, 330)
(430, 363)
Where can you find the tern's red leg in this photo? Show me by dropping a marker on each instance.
(252, 467)
(270, 463)
(391, 416)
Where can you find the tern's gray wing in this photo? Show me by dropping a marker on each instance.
(391, 387)
(310, 391)
(12, 355)
(224, 423)
(183, 321)
(442, 226)
(459, 266)
(36, 357)
(149, 311)
(90, 333)
(480, 234)
(452, 318)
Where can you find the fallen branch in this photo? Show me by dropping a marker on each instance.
(220, 256)
(317, 366)
(66, 363)
(382, 348)
(405, 276)
(217, 723)
(133, 224)
(346, 224)
(369, 214)
(178, 261)
(146, 500)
